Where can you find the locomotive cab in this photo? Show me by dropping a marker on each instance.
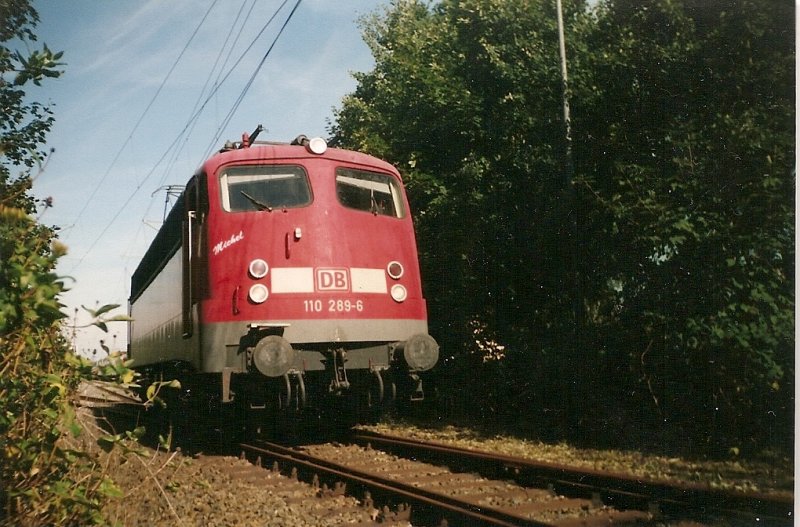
(285, 277)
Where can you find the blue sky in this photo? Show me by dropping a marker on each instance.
(106, 172)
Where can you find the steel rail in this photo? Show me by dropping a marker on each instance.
(618, 487)
(99, 391)
(89, 401)
(455, 510)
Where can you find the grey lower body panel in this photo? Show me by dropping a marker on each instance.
(366, 341)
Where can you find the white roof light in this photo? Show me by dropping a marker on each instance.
(317, 145)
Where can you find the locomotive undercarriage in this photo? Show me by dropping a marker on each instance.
(278, 387)
(311, 375)
(380, 369)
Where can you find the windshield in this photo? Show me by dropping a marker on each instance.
(369, 191)
(264, 188)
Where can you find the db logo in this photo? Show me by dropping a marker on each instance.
(332, 280)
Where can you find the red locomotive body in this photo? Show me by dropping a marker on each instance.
(285, 275)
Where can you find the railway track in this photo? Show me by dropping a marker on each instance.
(436, 495)
(387, 485)
(433, 495)
(659, 497)
(111, 401)
(483, 488)
(100, 394)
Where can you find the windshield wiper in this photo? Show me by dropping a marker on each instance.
(260, 204)
(373, 204)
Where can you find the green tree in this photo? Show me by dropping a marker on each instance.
(683, 127)
(37, 371)
(461, 97)
(24, 124)
(692, 216)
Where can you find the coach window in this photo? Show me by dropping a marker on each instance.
(370, 192)
(249, 188)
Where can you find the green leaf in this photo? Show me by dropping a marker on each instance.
(107, 442)
(109, 489)
(104, 309)
(136, 433)
(56, 382)
(165, 442)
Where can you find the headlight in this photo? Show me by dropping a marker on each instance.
(421, 352)
(258, 293)
(258, 268)
(273, 356)
(399, 293)
(317, 145)
(395, 270)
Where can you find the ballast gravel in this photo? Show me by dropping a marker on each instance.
(173, 489)
(774, 475)
(169, 488)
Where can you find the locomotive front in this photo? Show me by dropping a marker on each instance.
(299, 282)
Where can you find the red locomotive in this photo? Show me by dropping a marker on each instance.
(285, 276)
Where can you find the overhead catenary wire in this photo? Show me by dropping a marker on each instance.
(121, 208)
(193, 118)
(186, 133)
(196, 114)
(144, 221)
(218, 85)
(247, 86)
(211, 72)
(124, 145)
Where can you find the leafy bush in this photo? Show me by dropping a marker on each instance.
(38, 372)
(37, 377)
